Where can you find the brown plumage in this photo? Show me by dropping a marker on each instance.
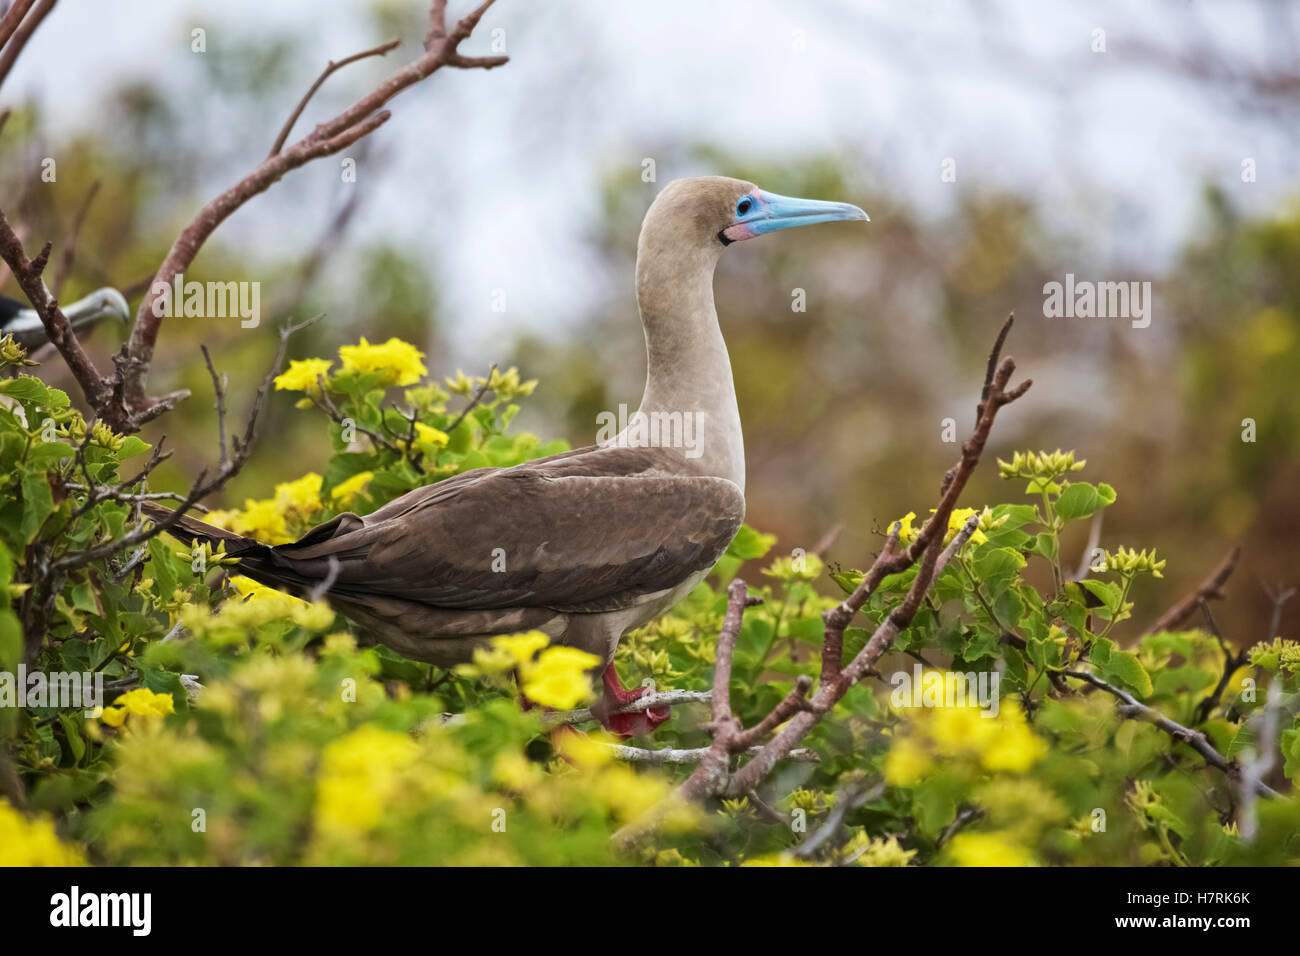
(583, 545)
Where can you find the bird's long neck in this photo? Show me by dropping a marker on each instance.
(688, 370)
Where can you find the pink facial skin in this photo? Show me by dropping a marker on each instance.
(741, 230)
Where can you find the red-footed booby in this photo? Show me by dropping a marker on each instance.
(28, 331)
(596, 541)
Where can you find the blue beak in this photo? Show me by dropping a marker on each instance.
(769, 212)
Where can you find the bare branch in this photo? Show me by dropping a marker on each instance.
(326, 139)
(70, 246)
(666, 698)
(27, 272)
(330, 68)
(694, 755)
(202, 486)
(219, 391)
(1132, 708)
(473, 402)
(16, 29)
(1210, 588)
(857, 795)
(12, 17)
(1260, 761)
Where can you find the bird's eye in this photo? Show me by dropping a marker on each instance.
(744, 206)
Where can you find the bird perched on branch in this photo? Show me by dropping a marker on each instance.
(583, 545)
(26, 327)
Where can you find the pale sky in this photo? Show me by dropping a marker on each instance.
(495, 176)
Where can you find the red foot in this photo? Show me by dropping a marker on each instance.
(634, 724)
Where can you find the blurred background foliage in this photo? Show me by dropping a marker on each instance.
(843, 403)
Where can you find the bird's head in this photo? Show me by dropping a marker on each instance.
(717, 210)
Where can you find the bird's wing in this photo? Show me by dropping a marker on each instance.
(586, 531)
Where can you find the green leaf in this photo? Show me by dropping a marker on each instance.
(935, 804)
(1291, 751)
(1081, 499)
(1016, 515)
(73, 734)
(25, 388)
(132, 445)
(750, 544)
(11, 641)
(38, 503)
(996, 568)
(1044, 544)
(809, 629)
(47, 454)
(1244, 738)
(1105, 592)
(1119, 666)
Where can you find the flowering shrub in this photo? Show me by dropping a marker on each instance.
(245, 726)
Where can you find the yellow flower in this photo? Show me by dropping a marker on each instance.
(628, 793)
(429, 435)
(586, 750)
(140, 702)
(905, 532)
(866, 850)
(302, 375)
(105, 437)
(254, 591)
(774, 859)
(462, 384)
(559, 677)
(302, 495)
(956, 520)
(987, 849)
(963, 728)
(521, 647)
(345, 491)
(516, 772)
(222, 518)
(400, 362)
(32, 841)
(1015, 747)
(906, 763)
(359, 774)
(262, 520)
(508, 386)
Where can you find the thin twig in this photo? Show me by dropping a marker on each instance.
(857, 795)
(330, 68)
(1210, 588)
(1135, 709)
(473, 403)
(17, 35)
(27, 273)
(202, 486)
(70, 246)
(219, 391)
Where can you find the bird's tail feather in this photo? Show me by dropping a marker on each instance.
(187, 528)
(256, 560)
